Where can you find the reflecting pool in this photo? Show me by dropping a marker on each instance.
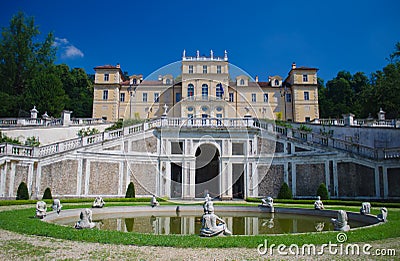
(240, 223)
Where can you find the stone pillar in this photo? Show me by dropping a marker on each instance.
(254, 181)
(12, 181)
(87, 177)
(79, 177)
(3, 178)
(286, 172)
(294, 179)
(38, 179)
(66, 117)
(191, 165)
(120, 177)
(226, 179)
(377, 183)
(385, 183)
(30, 177)
(327, 176)
(335, 179)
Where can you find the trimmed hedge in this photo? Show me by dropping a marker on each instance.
(285, 192)
(323, 191)
(47, 194)
(130, 191)
(22, 192)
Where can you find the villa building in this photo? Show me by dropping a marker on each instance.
(205, 88)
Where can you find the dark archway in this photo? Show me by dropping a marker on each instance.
(176, 180)
(207, 171)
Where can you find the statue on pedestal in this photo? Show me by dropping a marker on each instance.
(41, 208)
(340, 222)
(154, 202)
(365, 208)
(318, 204)
(382, 217)
(268, 202)
(56, 206)
(212, 225)
(86, 220)
(98, 202)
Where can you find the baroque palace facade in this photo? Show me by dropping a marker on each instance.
(205, 88)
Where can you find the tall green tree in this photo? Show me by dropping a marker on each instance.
(21, 59)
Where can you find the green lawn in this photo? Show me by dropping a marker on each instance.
(23, 221)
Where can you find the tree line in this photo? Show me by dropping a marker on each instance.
(29, 77)
(362, 95)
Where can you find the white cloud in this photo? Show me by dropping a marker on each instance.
(72, 52)
(68, 51)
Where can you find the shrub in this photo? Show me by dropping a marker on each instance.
(47, 194)
(305, 128)
(285, 192)
(323, 191)
(130, 192)
(32, 141)
(87, 132)
(22, 192)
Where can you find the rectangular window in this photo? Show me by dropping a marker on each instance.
(305, 78)
(105, 95)
(122, 97)
(204, 69)
(156, 97)
(190, 68)
(144, 97)
(106, 77)
(231, 99)
(177, 147)
(288, 97)
(218, 68)
(265, 97)
(307, 119)
(306, 96)
(253, 97)
(237, 149)
(178, 97)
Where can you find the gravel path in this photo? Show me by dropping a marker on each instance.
(16, 246)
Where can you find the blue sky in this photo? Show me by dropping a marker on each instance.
(261, 37)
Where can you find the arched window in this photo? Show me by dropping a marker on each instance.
(276, 82)
(204, 91)
(219, 91)
(168, 81)
(241, 82)
(190, 91)
(134, 82)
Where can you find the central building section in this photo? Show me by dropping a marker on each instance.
(221, 162)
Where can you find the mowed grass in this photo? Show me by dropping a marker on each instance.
(23, 221)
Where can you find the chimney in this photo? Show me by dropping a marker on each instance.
(118, 66)
(293, 65)
(160, 77)
(256, 78)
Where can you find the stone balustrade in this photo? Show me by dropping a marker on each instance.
(281, 132)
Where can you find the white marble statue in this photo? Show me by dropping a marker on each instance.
(365, 208)
(154, 202)
(212, 225)
(98, 202)
(207, 203)
(85, 220)
(268, 202)
(318, 204)
(383, 215)
(41, 208)
(340, 222)
(56, 206)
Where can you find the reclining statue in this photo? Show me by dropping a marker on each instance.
(382, 217)
(86, 220)
(98, 202)
(212, 225)
(365, 208)
(340, 223)
(56, 206)
(318, 204)
(41, 208)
